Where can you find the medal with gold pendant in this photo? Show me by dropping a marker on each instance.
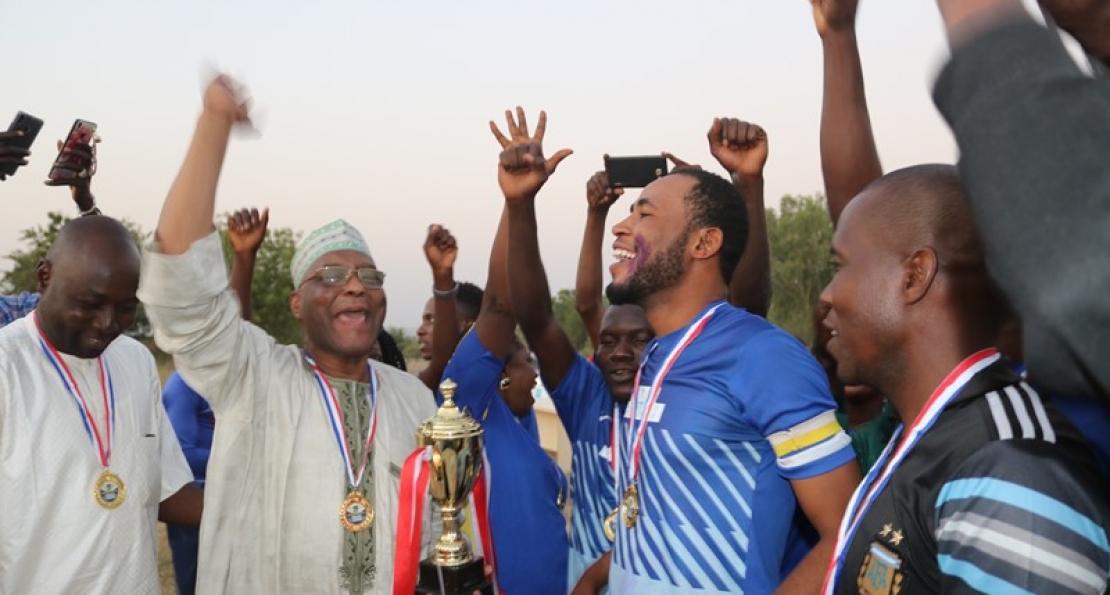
(630, 506)
(609, 525)
(108, 489)
(641, 415)
(356, 513)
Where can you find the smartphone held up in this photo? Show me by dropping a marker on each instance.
(17, 141)
(634, 172)
(82, 133)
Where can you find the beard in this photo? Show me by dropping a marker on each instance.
(660, 273)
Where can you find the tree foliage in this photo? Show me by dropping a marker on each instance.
(271, 286)
(801, 234)
(563, 303)
(406, 342)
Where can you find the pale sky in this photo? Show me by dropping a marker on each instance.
(377, 111)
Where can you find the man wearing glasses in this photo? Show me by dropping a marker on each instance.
(303, 483)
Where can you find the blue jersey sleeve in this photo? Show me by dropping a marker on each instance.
(787, 399)
(14, 307)
(183, 406)
(477, 372)
(1015, 519)
(580, 397)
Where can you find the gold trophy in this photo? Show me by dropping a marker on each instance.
(456, 441)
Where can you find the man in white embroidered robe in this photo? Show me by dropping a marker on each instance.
(277, 479)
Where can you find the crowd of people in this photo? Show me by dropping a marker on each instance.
(948, 431)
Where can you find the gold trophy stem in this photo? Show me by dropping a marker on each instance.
(451, 549)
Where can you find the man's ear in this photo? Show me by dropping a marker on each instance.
(707, 242)
(43, 275)
(918, 273)
(295, 304)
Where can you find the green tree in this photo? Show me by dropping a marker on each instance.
(272, 285)
(37, 241)
(567, 315)
(405, 342)
(801, 234)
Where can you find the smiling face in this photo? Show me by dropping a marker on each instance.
(651, 245)
(88, 297)
(863, 299)
(343, 321)
(625, 333)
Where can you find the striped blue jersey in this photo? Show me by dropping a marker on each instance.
(585, 407)
(744, 410)
(1002, 496)
(14, 307)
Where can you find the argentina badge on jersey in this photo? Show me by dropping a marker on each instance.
(881, 572)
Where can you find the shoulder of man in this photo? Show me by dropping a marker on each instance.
(1023, 511)
(408, 387)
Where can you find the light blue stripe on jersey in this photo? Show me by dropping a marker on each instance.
(694, 522)
(1025, 499)
(977, 579)
(594, 498)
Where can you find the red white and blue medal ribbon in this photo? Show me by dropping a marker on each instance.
(102, 442)
(335, 418)
(657, 387)
(892, 456)
(629, 507)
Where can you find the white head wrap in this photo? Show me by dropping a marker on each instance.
(333, 237)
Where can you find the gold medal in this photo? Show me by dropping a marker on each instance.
(610, 526)
(109, 490)
(357, 513)
(630, 507)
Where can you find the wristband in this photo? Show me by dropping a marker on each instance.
(447, 294)
(93, 210)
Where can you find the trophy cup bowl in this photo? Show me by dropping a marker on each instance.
(456, 441)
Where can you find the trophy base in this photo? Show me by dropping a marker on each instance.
(458, 580)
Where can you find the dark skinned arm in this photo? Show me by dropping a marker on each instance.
(441, 250)
(742, 149)
(246, 229)
(750, 287)
(595, 578)
(521, 172)
(587, 286)
(531, 295)
(183, 508)
(823, 500)
(849, 158)
(495, 324)
(190, 205)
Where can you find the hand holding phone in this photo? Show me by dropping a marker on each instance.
(15, 143)
(75, 157)
(634, 172)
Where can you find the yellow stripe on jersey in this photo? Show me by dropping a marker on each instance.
(806, 434)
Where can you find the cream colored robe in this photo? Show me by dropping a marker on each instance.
(275, 480)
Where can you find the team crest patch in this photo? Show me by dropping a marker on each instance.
(881, 572)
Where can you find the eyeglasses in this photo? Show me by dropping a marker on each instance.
(335, 275)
